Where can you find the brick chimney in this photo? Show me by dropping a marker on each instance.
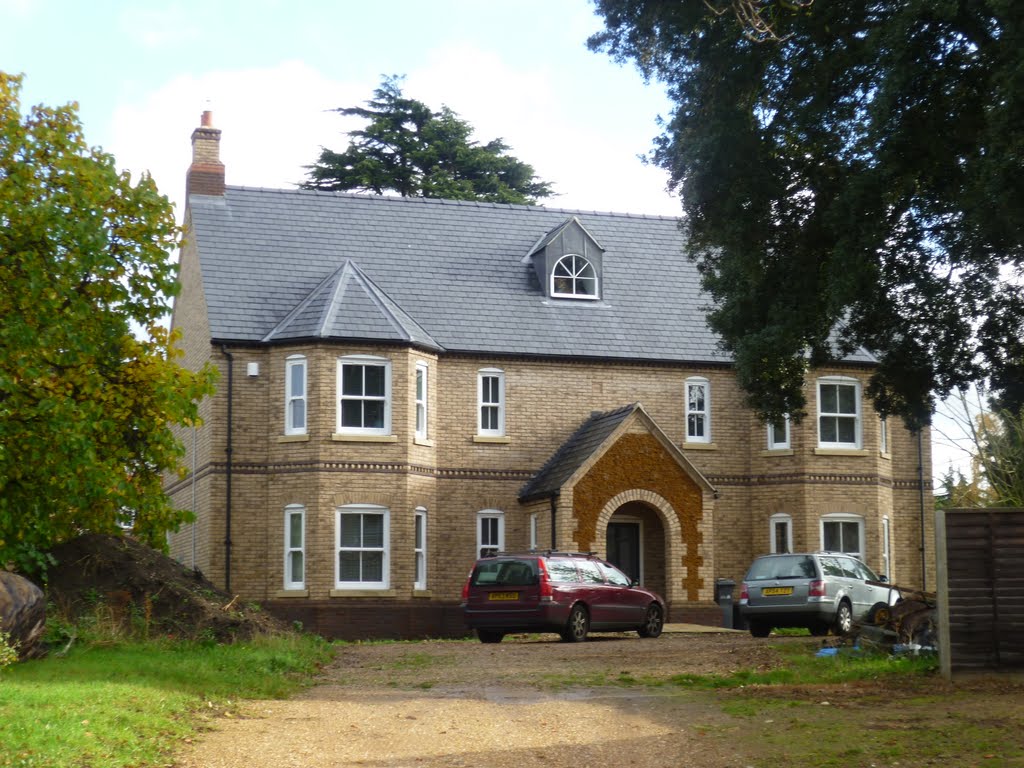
(206, 174)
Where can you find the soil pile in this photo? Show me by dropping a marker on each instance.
(141, 590)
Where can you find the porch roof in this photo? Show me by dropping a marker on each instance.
(593, 437)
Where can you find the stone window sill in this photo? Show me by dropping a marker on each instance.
(363, 593)
(777, 452)
(341, 438)
(496, 439)
(425, 442)
(840, 452)
(303, 438)
(700, 447)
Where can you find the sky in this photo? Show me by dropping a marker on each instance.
(273, 71)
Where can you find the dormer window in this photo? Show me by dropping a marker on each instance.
(568, 262)
(574, 278)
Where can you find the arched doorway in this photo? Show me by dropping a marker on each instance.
(635, 541)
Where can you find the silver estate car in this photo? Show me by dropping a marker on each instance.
(816, 590)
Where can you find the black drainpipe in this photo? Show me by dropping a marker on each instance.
(228, 451)
(920, 482)
(554, 519)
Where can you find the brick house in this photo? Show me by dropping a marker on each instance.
(408, 383)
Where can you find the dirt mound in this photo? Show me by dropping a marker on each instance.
(143, 591)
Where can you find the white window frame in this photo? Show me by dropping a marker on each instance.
(773, 521)
(703, 415)
(579, 270)
(482, 376)
(384, 549)
(421, 396)
(840, 381)
(290, 547)
(775, 443)
(883, 435)
(419, 538)
(364, 361)
(291, 397)
(844, 517)
(533, 530)
(496, 546)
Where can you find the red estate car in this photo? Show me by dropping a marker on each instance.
(571, 593)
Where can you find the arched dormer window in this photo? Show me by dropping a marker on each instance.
(568, 262)
(574, 277)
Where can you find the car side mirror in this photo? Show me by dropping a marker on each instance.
(884, 578)
(634, 582)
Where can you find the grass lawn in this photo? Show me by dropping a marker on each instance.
(130, 704)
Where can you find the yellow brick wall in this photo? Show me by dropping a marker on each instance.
(192, 543)
(453, 476)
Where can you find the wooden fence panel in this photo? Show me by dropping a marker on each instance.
(981, 589)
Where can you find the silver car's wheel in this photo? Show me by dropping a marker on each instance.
(844, 619)
(654, 622)
(577, 626)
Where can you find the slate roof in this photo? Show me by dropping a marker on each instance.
(293, 264)
(574, 452)
(550, 236)
(349, 305)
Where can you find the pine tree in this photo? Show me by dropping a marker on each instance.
(406, 148)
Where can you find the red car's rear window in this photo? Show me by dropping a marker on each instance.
(504, 573)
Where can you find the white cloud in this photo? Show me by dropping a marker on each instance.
(548, 123)
(274, 121)
(18, 8)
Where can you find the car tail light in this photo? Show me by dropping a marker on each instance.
(546, 593)
(816, 588)
(465, 587)
(744, 592)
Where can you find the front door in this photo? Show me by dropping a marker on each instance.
(624, 547)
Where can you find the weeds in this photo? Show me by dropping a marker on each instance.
(8, 650)
(804, 669)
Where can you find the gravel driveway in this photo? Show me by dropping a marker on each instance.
(525, 702)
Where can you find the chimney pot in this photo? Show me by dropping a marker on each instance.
(207, 120)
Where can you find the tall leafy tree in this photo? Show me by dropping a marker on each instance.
(85, 404)
(409, 149)
(851, 175)
(1001, 457)
(994, 438)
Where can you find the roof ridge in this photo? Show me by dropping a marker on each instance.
(330, 310)
(305, 302)
(394, 199)
(375, 293)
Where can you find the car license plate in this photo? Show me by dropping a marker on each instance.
(503, 596)
(777, 591)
